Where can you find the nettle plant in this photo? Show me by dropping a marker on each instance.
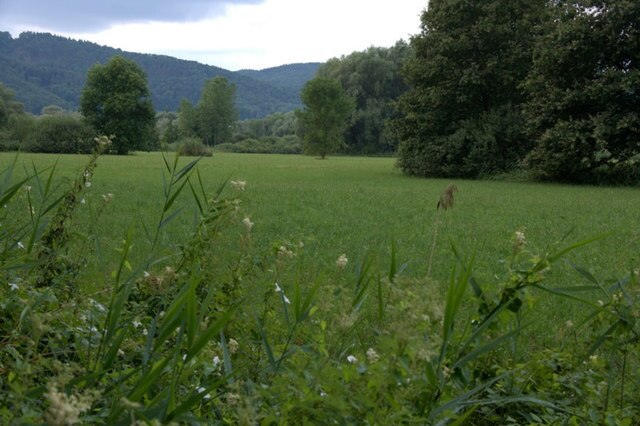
(210, 330)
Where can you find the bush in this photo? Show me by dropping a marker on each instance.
(193, 147)
(60, 134)
(268, 145)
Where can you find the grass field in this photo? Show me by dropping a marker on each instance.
(359, 205)
(322, 209)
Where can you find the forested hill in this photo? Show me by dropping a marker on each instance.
(44, 69)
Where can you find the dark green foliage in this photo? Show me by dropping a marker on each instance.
(216, 113)
(193, 147)
(61, 133)
(278, 124)
(324, 119)
(45, 69)
(462, 116)
(372, 78)
(116, 101)
(288, 144)
(584, 106)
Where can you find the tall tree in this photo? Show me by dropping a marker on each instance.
(584, 91)
(462, 116)
(216, 112)
(324, 118)
(373, 78)
(116, 101)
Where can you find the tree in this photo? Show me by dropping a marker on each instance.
(463, 114)
(116, 101)
(8, 105)
(373, 78)
(216, 112)
(584, 90)
(324, 118)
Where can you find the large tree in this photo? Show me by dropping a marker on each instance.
(216, 112)
(584, 90)
(116, 101)
(463, 115)
(324, 118)
(373, 79)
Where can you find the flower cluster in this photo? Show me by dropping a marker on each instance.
(239, 184)
(342, 261)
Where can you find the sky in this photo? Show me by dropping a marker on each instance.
(232, 34)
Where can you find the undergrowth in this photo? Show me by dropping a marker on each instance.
(187, 336)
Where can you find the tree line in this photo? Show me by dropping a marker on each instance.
(551, 87)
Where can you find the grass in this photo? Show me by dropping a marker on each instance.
(359, 205)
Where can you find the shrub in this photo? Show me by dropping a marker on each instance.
(193, 147)
(289, 144)
(61, 134)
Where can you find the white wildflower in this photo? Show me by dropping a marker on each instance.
(87, 173)
(136, 323)
(519, 241)
(144, 332)
(120, 352)
(233, 346)
(352, 359)
(278, 289)
(286, 300)
(239, 184)
(107, 197)
(216, 361)
(83, 201)
(285, 252)
(20, 245)
(14, 287)
(232, 398)
(146, 274)
(323, 393)
(27, 188)
(342, 261)
(64, 409)
(98, 305)
(200, 389)
(372, 356)
(247, 223)
(569, 324)
(87, 184)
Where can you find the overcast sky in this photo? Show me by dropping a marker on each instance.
(231, 34)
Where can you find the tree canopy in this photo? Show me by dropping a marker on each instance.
(324, 118)
(216, 112)
(116, 101)
(584, 88)
(463, 116)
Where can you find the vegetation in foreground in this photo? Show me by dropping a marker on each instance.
(215, 329)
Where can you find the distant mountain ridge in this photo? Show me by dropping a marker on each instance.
(45, 69)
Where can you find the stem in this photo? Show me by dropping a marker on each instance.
(433, 245)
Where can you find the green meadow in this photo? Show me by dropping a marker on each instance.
(401, 334)
(357, 206)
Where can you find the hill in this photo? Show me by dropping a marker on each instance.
(45, 69)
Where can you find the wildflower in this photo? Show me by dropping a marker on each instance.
(82, 201)
(232, 398)
(146, 274)
(87, 173)
(27, 188)
(352, 359)
(97, 305)
(136, 323)
(144, 332)
(286, 300)
(233, 346)
(569, 324)
(239, 184)
(600, 303)
(285, 252)
(201, 390)
(323, 393)
(87, 184)
(216, 361)
(519, 241)
(107, 197)
(64, 409)
(342, 261)
(372, 356)
(247, 224)
(278, 289)
(120, 352)
(300, 244)
(20, 245)
(14, 287)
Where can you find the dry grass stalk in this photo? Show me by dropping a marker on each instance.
(446, 202)
(446, 199)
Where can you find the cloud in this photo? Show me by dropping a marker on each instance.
(96, 15)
